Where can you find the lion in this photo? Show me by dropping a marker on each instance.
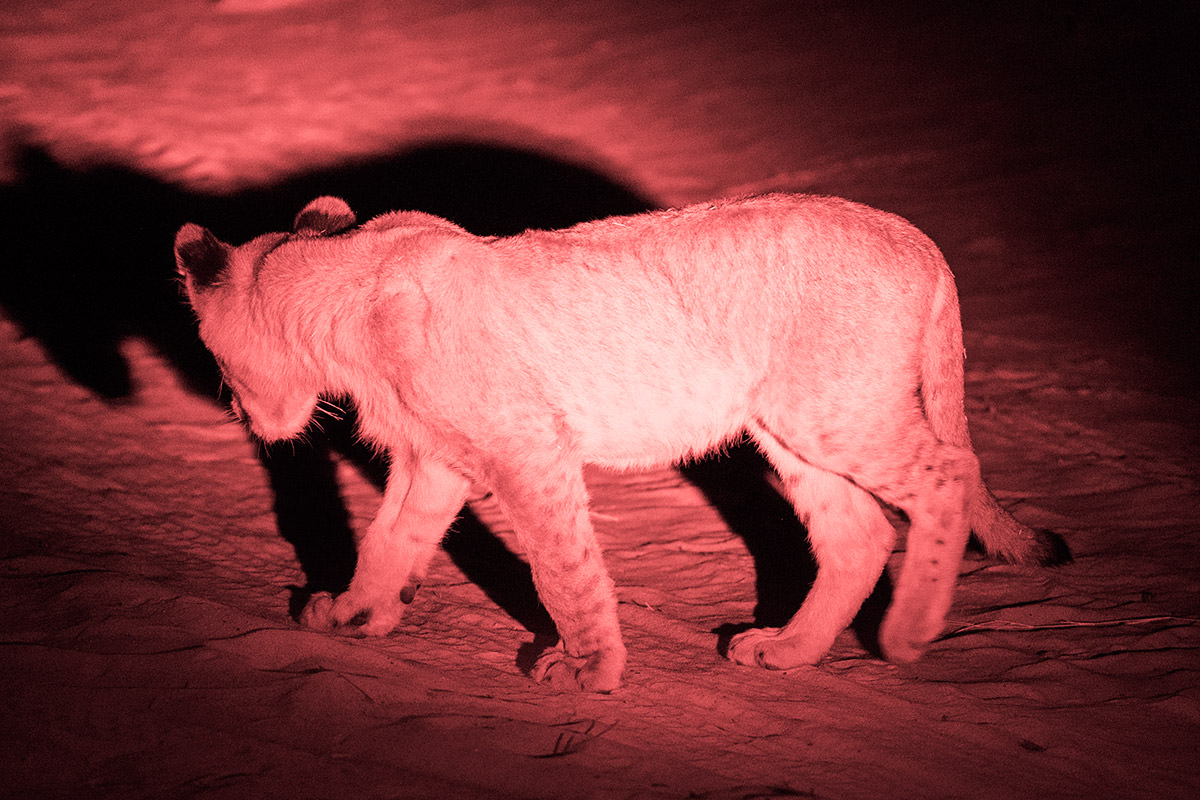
(827, 331)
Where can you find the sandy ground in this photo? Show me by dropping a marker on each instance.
(152, 559)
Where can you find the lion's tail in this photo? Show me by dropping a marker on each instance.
(942, 395)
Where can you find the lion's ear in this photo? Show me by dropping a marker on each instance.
(200, 257)
(323, 217)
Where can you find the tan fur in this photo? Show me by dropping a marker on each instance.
(827, 330)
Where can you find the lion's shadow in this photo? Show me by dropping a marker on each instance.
(89, 263)
(88, 250)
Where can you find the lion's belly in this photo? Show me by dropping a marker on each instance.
(643, 422)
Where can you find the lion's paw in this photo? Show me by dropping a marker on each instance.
(771, 649)
(318, 612)
(747, 648)
(595, 672)
(352, 614)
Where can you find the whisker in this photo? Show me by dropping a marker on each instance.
(331, 409)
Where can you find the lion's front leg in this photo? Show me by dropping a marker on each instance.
(547, 502)
(421, 500)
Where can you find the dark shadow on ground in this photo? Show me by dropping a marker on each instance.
(784, 566)
(88, 251)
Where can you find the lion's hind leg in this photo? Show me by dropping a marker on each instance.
(851, 540)
(934, 489)
(904, 465)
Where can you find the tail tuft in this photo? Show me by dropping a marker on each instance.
(1049, 549)
(1005, 538)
